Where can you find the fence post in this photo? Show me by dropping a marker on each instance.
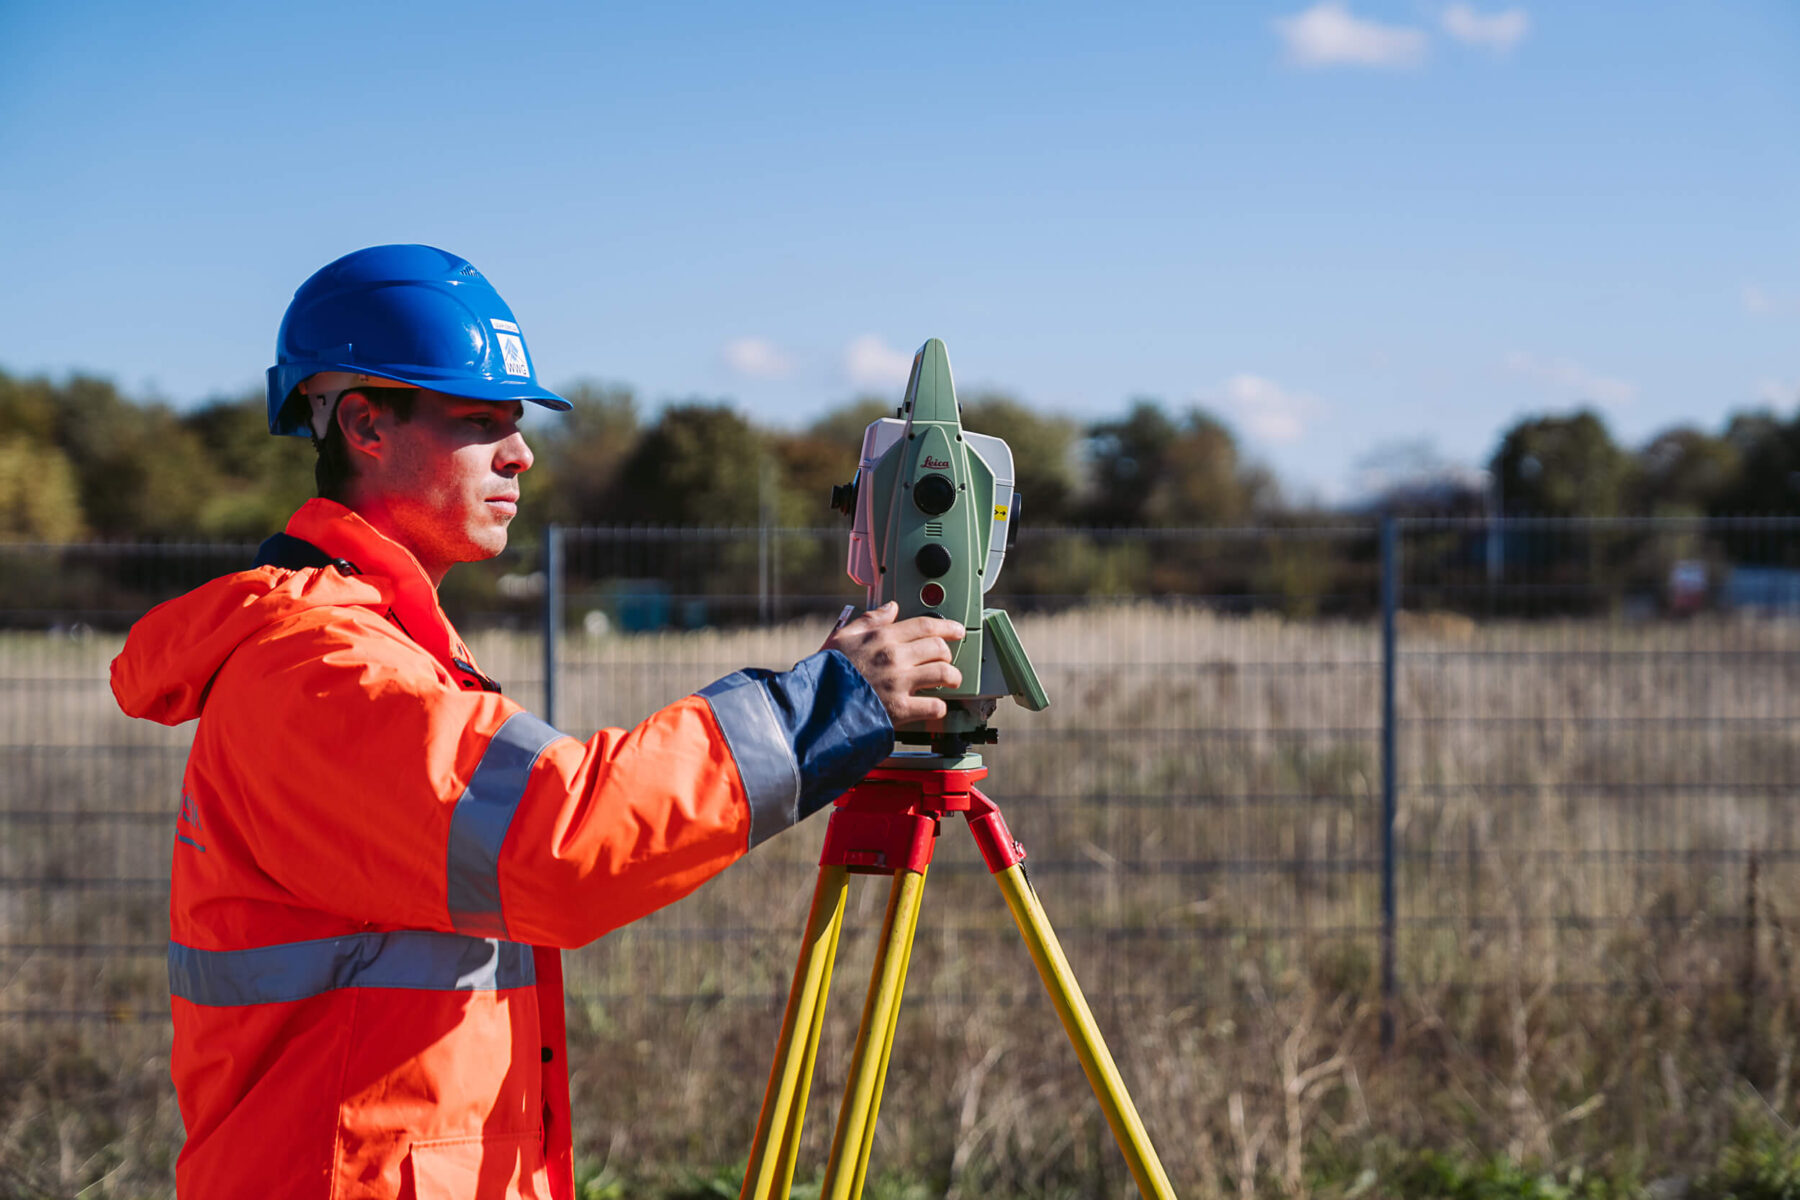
(762, 573)
(552, 615)
(1390, 600)
(765, 507)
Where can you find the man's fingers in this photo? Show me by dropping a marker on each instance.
(935, 675)
(909, 630)
(917, 708)
(903, 658)
(866, 624)
(875, 618)
(924, 650)
(915, 628)
(900, 691)
(872, 626)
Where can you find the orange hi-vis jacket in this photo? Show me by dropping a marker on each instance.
(378, 856)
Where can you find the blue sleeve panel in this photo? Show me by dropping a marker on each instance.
(801, 738)
(837, 724)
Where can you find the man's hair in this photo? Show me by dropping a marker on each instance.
(334, 470)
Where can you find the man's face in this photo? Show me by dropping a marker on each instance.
(445, 483)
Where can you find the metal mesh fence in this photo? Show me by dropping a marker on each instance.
(1202, 777)
(1593, 733)
(1599, 749)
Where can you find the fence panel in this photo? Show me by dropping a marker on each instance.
(1202, 786)
(87, 812)
(1593, 728)
(1599, 750)
(88, 798)
(1596, 730)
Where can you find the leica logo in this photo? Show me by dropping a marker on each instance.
(935, 464)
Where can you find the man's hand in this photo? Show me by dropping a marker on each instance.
(901, 659)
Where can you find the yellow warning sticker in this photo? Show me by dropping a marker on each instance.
(999, 512)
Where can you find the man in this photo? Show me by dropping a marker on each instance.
(378, 855)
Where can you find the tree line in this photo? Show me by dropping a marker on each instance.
(79, 460)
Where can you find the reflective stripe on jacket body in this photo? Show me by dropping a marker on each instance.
(378, 855)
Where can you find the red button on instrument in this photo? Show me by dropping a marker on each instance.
(932, 594)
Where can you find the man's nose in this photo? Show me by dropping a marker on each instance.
(512, 456)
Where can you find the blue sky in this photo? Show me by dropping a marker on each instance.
(1342, 226)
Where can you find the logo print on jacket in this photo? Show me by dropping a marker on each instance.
(191, 815)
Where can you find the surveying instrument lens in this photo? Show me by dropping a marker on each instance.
(934, 495)
(914, 543)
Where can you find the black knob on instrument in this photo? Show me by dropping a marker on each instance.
(932, 560)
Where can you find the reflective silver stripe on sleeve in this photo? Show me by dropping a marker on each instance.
(414, 959)
(724, 684)
(764, 756)
(483, 814)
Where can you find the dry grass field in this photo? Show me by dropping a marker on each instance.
(1596, 883)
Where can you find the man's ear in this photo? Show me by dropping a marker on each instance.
(359, 422)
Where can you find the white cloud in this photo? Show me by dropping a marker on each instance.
(1761, 302)
(1328, 33)
(1498, 31)
(1571, 380)
(1777, 393)
(872, 363)
(757, 358)
(1267, 410)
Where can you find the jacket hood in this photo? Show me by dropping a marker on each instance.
(173, 653)
(176, 649)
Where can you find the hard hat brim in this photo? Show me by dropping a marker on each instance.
(291, 419)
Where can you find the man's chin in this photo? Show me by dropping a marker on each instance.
(487, 544)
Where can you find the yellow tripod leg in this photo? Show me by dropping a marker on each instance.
(887, 1043)
(770, 1174)
(874, 1040)
(1090, 1047)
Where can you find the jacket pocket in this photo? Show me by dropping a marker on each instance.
(505, 1167)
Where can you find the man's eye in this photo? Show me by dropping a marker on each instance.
(481, 421)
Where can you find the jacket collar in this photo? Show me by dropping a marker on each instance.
(413, 602)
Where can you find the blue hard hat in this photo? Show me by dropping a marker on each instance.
(413, 314)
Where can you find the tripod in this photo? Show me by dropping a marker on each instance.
(888, 825)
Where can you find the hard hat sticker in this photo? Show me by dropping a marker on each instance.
(513, 349)
(506, 326)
